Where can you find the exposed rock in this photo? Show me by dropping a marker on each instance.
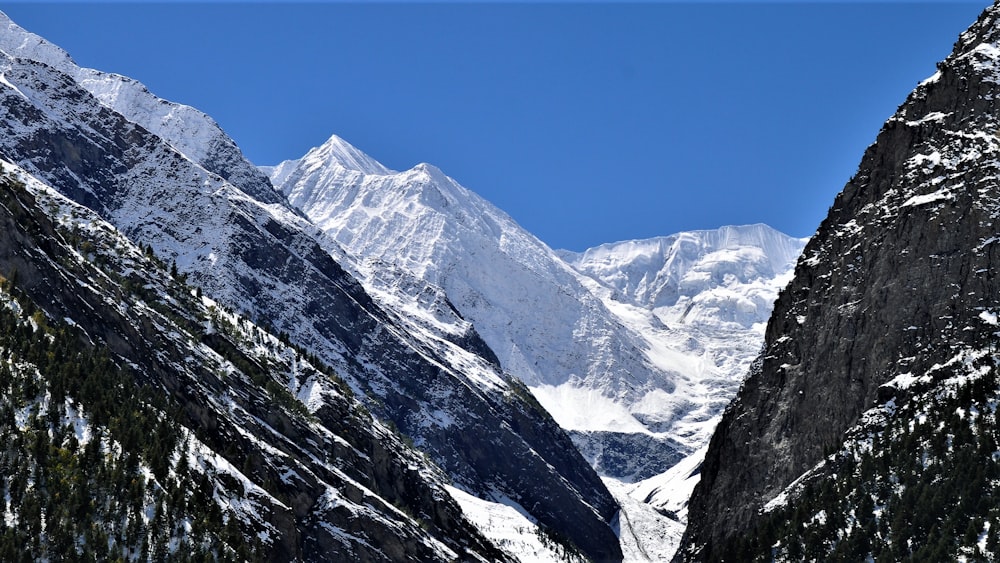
(295, 465)
(897, 274)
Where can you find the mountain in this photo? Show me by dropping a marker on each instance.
(701, 299)
(165, 177)
(636, 395)
(866, 428)
(145, 418)
(190, 131)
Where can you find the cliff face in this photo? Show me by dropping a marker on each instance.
(899, 276)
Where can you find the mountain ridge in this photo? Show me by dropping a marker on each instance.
(250, 455)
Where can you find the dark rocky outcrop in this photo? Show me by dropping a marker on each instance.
(897, 274)
(628, 457)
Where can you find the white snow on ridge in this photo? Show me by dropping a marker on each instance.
(662, 271)
(525, 302)
(335, 152)
(986, 59)
(190, 131)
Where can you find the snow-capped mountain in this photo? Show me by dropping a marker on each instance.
(432, 310)
(422, 222)
(601, 338)
(194, 134)
(168, 179)
(696, 277)
(701, 300)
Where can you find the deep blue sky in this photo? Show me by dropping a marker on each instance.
(588, 123)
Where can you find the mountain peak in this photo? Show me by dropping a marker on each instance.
(338, 152)
(428, 169)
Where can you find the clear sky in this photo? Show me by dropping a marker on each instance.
(587, 122)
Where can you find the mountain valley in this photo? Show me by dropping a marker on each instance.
(207, 359)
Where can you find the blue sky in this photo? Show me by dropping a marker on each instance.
(587, 122)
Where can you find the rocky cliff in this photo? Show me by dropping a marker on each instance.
(899, 284)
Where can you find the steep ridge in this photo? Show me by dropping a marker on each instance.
(260, 257)
(636, 394)
(190, 131)
(881, 351)
(251, 451)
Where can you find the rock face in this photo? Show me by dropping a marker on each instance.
(899, 276)
(108, 144)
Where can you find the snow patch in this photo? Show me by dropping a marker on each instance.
(989, 317)
(940, 195)
(509, 527)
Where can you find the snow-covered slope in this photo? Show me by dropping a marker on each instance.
(187, 129)
(698, 277)
(531, 309)
(702, 299)
(502, 279)
(637, 388)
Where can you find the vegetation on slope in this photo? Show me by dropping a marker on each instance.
(918, 480)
